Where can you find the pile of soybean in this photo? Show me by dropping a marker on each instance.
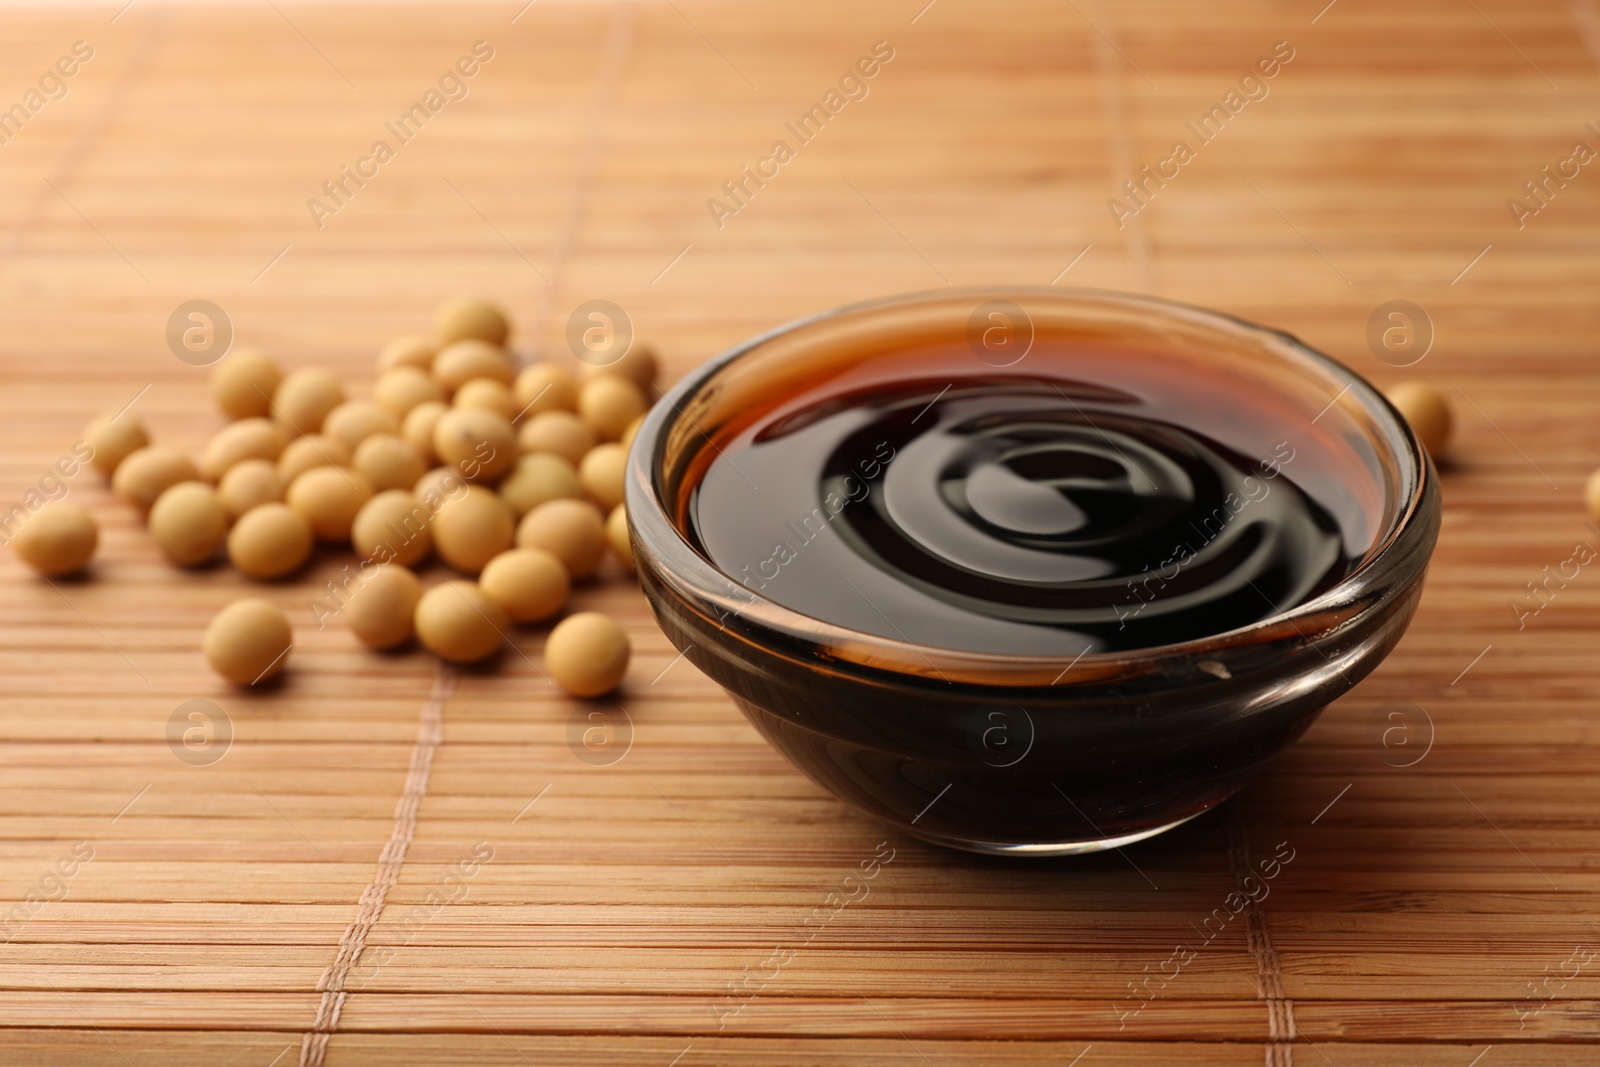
(513, 479)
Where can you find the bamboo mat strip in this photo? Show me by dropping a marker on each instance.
(613, 64)
(314, 1045)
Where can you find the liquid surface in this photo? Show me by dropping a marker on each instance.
(1012, 512)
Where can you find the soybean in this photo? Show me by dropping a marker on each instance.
(269, 541)
(393, 527)
(637, 364)
(417, 430)
(545, 387)
(559, 432)
(587, 654)
(312, 450)
(458, 622)
(539, 478)
(603, 473)
(356, 420)
(402, 389)
(529, 583)
(607, 405)
(247, 484)
(617, 535)
(243, 384)
(57, 539)
(486, 394)
(471, 529)
(438, 485)
(381, 611)
(470, 318)
(412, 350)
(328, 499)
(248, 641)
(189, 523)
(465, 360)
(388, 461)
(480, 444)
(1428, 413)
(148, 472)
(113, 439)
(571, 530)
(249, 438)
(304, 398)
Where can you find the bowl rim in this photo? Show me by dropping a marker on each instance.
(770, 624)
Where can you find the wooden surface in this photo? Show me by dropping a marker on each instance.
(1442, 913)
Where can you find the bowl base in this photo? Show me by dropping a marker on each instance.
(1048, 848)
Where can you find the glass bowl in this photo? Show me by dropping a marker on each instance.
(1037, 754)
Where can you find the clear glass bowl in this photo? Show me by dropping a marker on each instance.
(1024, 754)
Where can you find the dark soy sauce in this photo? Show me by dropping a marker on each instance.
(1031, 512)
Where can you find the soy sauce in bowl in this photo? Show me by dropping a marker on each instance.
(1047, 596)
(1035, 511)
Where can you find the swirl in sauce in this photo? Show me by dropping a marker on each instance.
(1012, 513)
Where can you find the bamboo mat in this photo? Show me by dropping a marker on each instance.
(1442, 904)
